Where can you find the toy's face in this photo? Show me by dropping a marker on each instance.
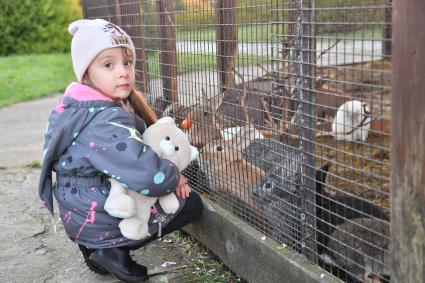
(168, 146)
(169, 142)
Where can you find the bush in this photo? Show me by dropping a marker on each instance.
(36, 26)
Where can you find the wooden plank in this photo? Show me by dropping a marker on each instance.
(250, 254)
(94, 10)
(83, 4)
(131, 21)
(227, 42)
(408, 139)
(387, 29)
(167, 47)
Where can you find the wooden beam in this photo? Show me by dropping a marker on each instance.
(84, 8)
(167, 49)
(227, 42)
(131, 21)
(387, 30)
(408, 143)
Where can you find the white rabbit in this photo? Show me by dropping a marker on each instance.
(352, 121)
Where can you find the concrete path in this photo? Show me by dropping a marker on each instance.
(31, 249)
(190, 85)
(345, 52)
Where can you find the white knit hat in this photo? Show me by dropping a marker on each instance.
(90, 37)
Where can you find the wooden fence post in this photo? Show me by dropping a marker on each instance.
(84, 8)
(167, 49)
(227, 42)
(126, 14)
(131, 21)
(408, 143)
(387, 30)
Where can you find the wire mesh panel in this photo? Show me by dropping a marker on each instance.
(289, 104)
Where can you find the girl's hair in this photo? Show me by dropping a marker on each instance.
(141, 107)
(137, 100)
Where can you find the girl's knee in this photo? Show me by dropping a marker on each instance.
(194, 203)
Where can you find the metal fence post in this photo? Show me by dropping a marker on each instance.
(304, 84)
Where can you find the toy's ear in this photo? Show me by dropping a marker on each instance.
(166, 120)
(193, 153)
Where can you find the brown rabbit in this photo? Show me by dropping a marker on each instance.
(204, 126)
(226, 169)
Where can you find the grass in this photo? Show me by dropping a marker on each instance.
(265, 33)
(259, 32)
(33, 165)
(186, 63)
(365, 34)
(26, 77)
(205, 267)
(195, 62)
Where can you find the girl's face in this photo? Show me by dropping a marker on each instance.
(112, 73)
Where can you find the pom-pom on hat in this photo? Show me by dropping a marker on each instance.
(90, 37)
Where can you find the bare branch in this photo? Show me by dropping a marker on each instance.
(245, 109)
(327, 49)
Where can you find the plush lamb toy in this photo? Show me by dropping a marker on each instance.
(163, 137)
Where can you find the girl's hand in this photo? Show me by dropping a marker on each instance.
(183, 191)
(182, 180)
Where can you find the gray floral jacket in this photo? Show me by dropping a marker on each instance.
(90, 138)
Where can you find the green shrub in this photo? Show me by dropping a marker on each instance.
(36, 26)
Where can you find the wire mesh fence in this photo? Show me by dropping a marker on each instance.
(289, 104)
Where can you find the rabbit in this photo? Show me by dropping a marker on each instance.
(227, 170)
(361, 248)
(230, 133)
(352, 121)
(330, 210)
(335, 210)
(283, 218)
(232, 108)
(267, 153)
(204, 126)
(280, 163)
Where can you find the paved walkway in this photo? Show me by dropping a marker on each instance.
(345, 52)
(31, 251)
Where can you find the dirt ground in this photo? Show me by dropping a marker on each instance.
(31, 249)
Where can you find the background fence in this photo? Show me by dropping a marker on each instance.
(290, 106)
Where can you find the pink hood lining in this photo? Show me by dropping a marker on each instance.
(81, 92)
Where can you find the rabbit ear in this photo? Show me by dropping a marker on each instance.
(194, 153)
(245, 136)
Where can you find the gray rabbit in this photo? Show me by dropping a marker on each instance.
(282, 208)
(279, 161)
(361, 247)
(277, 191)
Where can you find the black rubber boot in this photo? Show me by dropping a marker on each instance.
(86, 254)
(118, 262)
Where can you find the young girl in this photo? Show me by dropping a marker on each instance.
(85, 147)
